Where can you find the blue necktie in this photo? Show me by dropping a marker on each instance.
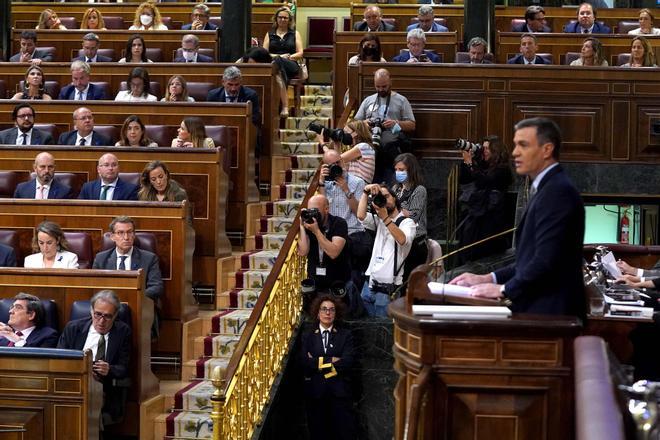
(122, 263)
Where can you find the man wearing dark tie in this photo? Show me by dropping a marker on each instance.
(44, 185)
(190, 51)
(108, 186)
(80, 88)
(24, 132)
(25, 328)
(84, 134)
(547, 274)
(586, 22)
(110, 343)
(232, 90)
(90, 46)
(528, 49)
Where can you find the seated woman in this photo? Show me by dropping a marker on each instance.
(192, 134)
(177, 90)
(369, 50)
(51, 249)
(49, 20)
(147, 18)
(284, 44)
(33, 85)
(133, 134)
(645, 24)
(157, 186)
(361, 156)
(93, 20)
(591, 54)
(138, 84)
(136, 50)
(641, 53)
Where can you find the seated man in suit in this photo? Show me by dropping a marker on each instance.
(426, 21)
(84, 134)
(416, 54)
(25, 327)
(477, 48)
(534, 21)
(373, 21)
(108, 186)
(232, 90)
(90, 45)
(200, 19)
(190, 51)
(110, 343)
(7, 256)
(586, 22)
(24, 132)
(80, 88)
(547, 274)
(43, 186)
(29, 52)
(528, 49)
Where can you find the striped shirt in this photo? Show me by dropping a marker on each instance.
(415, 202)
(338, 201)
(365, 166)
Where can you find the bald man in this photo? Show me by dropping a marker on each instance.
(43, 186)
(84, 134)
(108, 186)
(373, 21)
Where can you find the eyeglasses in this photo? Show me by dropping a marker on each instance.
(85, 118)
(124, 233)
(327, 309)
(104, 316)
(282, 17)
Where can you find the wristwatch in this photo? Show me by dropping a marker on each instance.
(349, 195)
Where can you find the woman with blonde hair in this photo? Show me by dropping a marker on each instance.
(192, 134)
(33, 85)
(51, 248)
(157, 186)
(49, 20)
(591, 54)
(177, 90)
(646, 27)
(93, 20)
(147, 18)
(641, 53)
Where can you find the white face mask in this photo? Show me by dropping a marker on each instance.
(146, 20)
(189, 56)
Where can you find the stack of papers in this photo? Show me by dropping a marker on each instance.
(450, 289)
(462, 312)
(617, 310)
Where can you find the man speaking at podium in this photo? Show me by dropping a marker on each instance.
(547, 274)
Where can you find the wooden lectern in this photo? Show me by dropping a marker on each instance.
(481, 379)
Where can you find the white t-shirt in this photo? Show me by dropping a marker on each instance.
(381, 265)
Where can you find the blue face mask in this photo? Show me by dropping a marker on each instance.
(401, 176)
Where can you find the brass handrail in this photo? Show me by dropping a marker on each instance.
(241, 395)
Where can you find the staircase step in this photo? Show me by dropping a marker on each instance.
(269, 241)
(230, 321)
(316, 115)
(243, 298)
(324, 113)
(195, 396)
(283, 208)
(220, 346)
(299, 176)
(275, 225)
(297, 136)
(260, 260)
(307, 161)
(299, 147)
(205, 367)
(189, 425)
(317, 89)
(291, 191)
(251, 279)
(316, 101)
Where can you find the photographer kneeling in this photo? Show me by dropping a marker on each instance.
(394, 236)
(323, 241)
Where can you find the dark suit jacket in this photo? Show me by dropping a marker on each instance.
(123, 190)
(518, 59)
(200, 59)
(362, 27)
(39, 137)
(340, 344)
(404, 57)
(69, 138)
(27, 190)
(209, 27)
(42, 55)
(599, 28)
(44, 337)
(118, 353)
(140, 259)
(93, 93)
(7, 256)
(522, 27)
(99, 58)
(547, 274)
(245, 94)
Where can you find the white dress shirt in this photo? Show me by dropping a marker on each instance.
(46, 189)
(127, 262)
(19, 137)
(92, 341)
(23, 338)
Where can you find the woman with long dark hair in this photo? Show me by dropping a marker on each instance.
(156, 185)
(33, 85)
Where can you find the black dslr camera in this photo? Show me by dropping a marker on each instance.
(334, 172)
(376, 125)
(467, 146)
(311, 214)
(378, 200)
(337, 135)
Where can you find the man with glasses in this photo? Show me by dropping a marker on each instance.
(190, 51)
(24, 132)
(534, 21)
(84, 134)
(108, 186)
(110, 343)
(81, 88)
(90, 46)
(25, 326)
(426, 21)
(44, 185)
(200, 19)
(416, 40)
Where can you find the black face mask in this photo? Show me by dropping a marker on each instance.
(371, 52)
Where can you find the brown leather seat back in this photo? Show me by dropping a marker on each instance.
(161, 134)
(8, 182)
(80, 243)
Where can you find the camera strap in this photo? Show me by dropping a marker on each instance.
(397, 269)
(387, 104)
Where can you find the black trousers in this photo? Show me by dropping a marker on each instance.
(330, 418)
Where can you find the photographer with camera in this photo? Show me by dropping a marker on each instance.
(394, 237)
(391, 119)
(485, 175)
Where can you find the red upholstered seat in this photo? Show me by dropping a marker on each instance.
(3, 89)
(113, 22)
(570, 57)
(199, 90)
(167, 21)
(109, 131)
(161, 134)
(391, 21)
(216, 21)
(69, 22)
(8, 182)
(49, 49)
(104, 86)
(322, 39)
(622, 59)
(51, 129)
(223, 136)
(517, 22)
(10, 238)
(626, 25)
(80, 243)
(133, 178)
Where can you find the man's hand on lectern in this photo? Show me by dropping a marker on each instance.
(468, 279)
(487, 290)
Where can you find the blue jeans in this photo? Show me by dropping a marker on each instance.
(374, 302)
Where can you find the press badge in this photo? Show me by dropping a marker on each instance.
(321, 271)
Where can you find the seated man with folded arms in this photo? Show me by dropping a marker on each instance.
(90, 45)
(29, 52)
(80, 88)
(108, 186)
(528, 49)
(110, 343)
(43, 186)
(25, 327)
(84, 134)
(534, 21)
(426, 21)
(416, 54)
(200, 19)
(24, 132)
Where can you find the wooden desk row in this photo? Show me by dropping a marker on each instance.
(26, 14)
(606, 115)
(64, 287)
(241, 170)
